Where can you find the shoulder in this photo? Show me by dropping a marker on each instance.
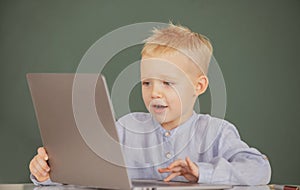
(214, 125)
(136, 122)
(135, 117)
(135, 126)
(213, 129)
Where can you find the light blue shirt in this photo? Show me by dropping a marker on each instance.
(211, 143)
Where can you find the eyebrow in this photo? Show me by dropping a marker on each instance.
(161, 77)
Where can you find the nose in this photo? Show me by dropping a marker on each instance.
(156, 90)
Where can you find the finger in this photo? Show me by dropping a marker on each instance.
(43, 164)
(192, 166)
(39, 176)
(31, 168)
(175, 169)
(178, 169)
(37, 172)
(39, 168)
(179, 162)
(172, 175)
(42, 152)
(163, 170)
(190, 177)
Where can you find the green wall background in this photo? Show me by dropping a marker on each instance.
(256, 44)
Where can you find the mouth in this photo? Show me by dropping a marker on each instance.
(159, 108)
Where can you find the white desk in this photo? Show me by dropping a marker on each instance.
(71, 187)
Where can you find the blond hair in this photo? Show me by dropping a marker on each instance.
(176, 38)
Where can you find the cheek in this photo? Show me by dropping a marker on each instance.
(173, 97)
(182, 96)
(145, 95)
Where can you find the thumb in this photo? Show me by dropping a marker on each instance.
(192, 166)
(42, 153)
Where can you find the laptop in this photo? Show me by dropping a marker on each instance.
(77, 127)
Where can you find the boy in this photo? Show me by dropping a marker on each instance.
(172, 142)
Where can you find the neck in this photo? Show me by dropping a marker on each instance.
(173, 124)
(168, 126)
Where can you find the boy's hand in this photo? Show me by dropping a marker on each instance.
(186, 168)
(38, 165)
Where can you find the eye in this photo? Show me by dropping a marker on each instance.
(167, 83)
(145, 83)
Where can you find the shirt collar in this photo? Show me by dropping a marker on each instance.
(179, 129)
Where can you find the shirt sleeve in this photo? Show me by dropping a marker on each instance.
(235, 162)
(44, 183)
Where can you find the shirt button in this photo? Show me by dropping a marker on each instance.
(167, 134)
(168, 155)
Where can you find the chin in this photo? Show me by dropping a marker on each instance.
(159, 119)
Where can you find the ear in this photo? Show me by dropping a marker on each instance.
(201, 85)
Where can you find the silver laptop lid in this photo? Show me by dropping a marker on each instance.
(60, 111)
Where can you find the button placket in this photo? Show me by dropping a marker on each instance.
(167, 145)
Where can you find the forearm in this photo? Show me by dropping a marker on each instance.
(240, 171)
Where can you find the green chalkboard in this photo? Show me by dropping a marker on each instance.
(256, 44)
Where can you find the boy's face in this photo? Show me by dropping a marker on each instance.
(168, 88)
